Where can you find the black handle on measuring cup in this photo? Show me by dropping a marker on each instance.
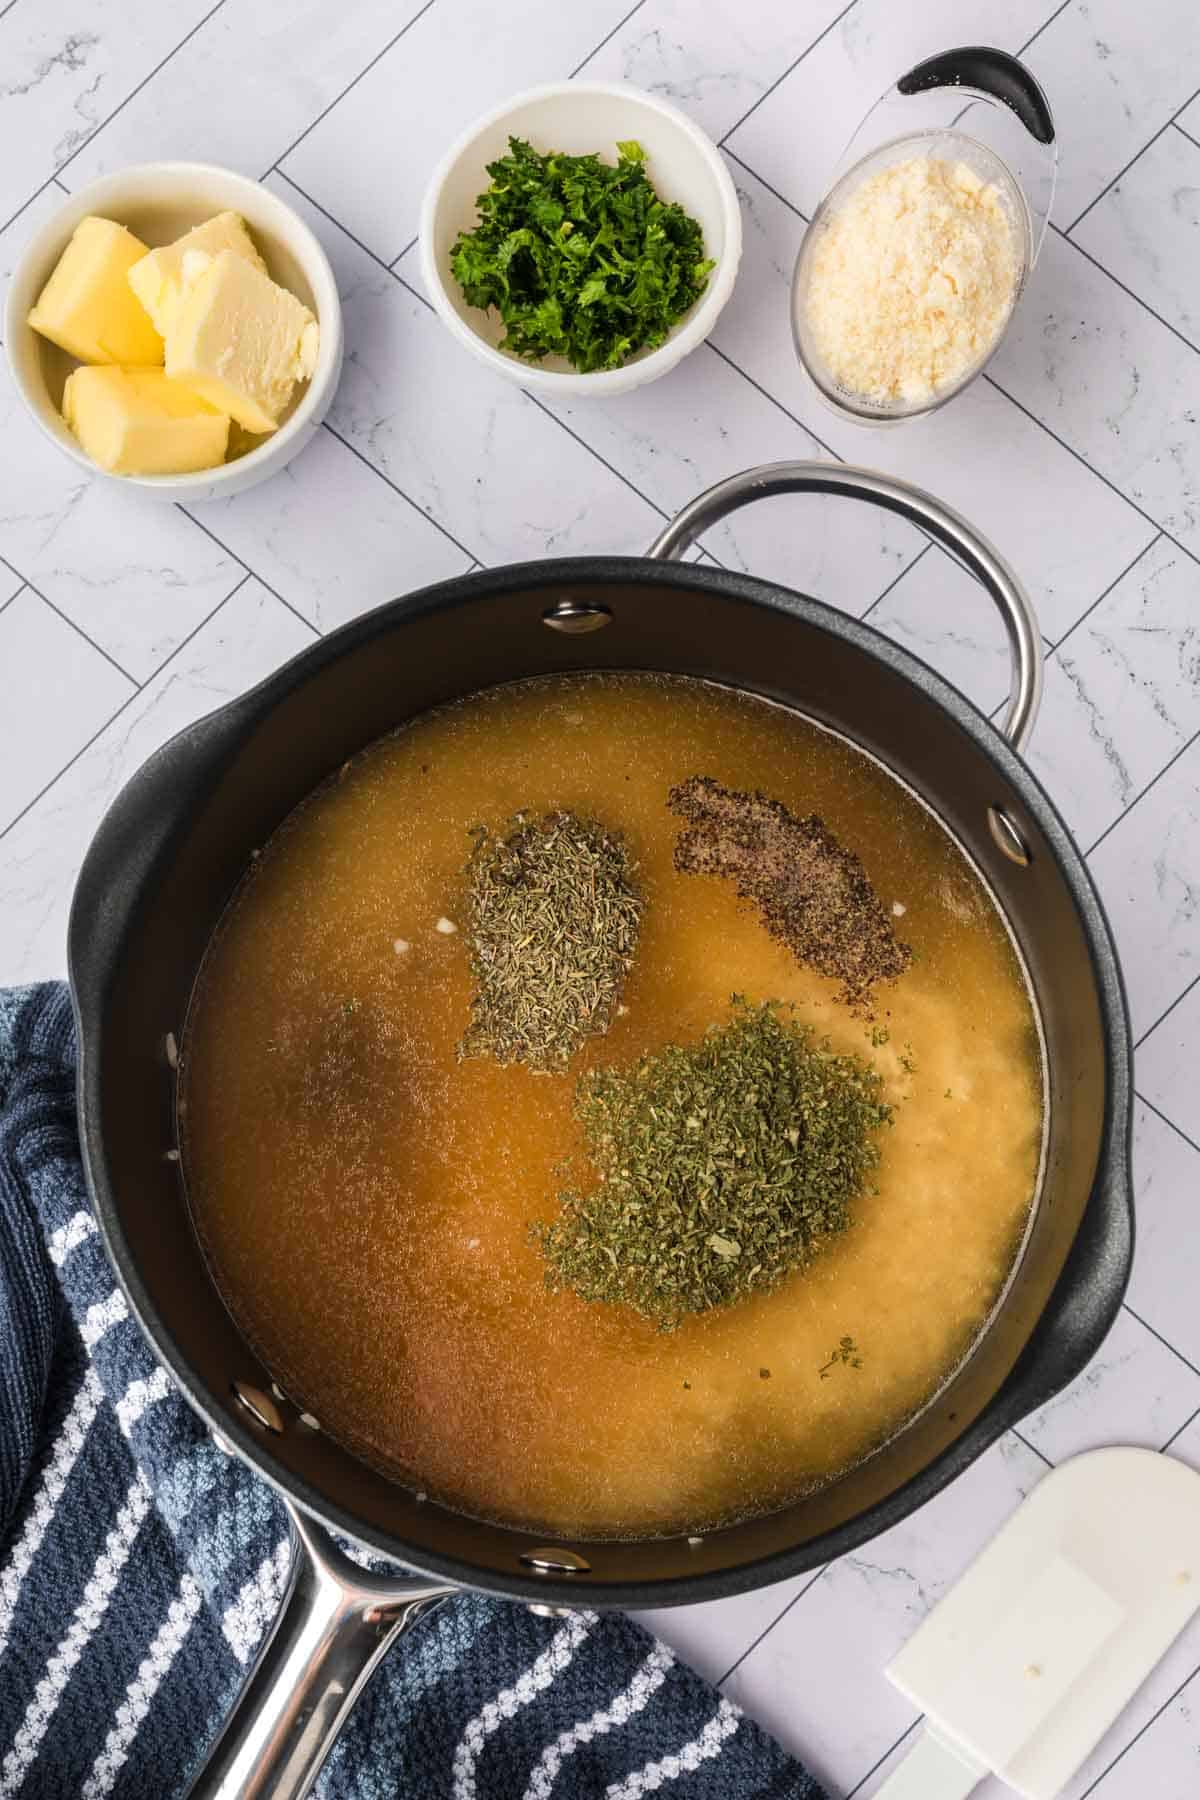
(994, 72)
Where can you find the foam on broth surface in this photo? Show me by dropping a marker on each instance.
(364, 1198)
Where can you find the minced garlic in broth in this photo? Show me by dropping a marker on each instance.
(364, 1196)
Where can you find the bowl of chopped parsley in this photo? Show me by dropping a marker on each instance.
(582, 238)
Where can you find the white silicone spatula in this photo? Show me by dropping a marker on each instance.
(1022, 1667)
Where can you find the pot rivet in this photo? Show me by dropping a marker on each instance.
(540, 1610)
(556, 1561)
(576, 616)
(1008, 838)
(260, 1406)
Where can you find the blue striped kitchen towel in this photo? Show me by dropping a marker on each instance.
(140, 1567)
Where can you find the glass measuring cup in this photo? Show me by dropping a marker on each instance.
(973, 105)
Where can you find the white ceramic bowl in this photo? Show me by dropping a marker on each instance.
(158, 202)
(578, 117)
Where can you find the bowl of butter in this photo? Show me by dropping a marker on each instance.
(176, 326)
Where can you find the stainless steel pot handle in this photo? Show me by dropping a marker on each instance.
(335, 1624)
(941, 522)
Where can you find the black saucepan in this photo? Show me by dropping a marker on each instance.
(178, 838)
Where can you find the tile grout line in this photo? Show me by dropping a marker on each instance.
(249, 571)
(782, 198)
(1117, 282)
(1175, 1002)
(429, 517)
(282, 157)
(68, 620)
(1115, 582)
(1190, 1420)
(606, 39)
(1184, 132)
(985, 374)
(930, 542)
(1165, 1342)
(880, 598)
(1152, 1720)
(890, 1751)
(1040, 1454)
(390, 269)
(1090, 467)
(1124, 814)
(768, 1629)
(624, 479)
(344, 229)
(772, 398)
(127, 702)
(767, 92)
(808, 431)
(80, 632)
(243, 564)
(1086, 254)
(1138, 1094)
(542, 408)
(134, 92)
(1042, 27)
(400, 256)
(611, 467)
(338, 98)
(8, 8)
(1149, 144)
(785, 410)
(26, 204)
(382, 475)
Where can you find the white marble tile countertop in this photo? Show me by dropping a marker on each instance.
(121, 620)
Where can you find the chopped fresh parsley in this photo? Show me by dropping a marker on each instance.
(581, 258)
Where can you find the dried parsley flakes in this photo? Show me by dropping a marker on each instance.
(554, 917)
(580, 257)
(721, 1167)
(846, 1352)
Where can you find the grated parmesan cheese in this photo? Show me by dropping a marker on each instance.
(912, 281)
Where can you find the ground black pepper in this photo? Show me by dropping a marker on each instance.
(812, 893)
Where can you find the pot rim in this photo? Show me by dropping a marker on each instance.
(1015, 1397)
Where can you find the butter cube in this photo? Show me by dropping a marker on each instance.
(140, 422)
(158, 279)
(87, 307)
(240, 339)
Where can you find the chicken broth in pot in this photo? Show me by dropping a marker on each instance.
(368, 1197)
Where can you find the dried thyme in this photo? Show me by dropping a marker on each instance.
(811, 892)
(720, 1168)
(554, 918)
